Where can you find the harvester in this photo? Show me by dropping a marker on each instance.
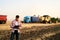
(45, 19)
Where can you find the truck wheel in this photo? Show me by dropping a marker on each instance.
(3, 22)
(0, 22)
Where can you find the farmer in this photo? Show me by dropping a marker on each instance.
(15, 24)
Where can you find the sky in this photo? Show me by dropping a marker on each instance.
(29, 8)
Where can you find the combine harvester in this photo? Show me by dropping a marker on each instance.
(48, 19)
(45, 19)
(3, 19)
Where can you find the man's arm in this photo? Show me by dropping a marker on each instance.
(12, 25)
(20, 24)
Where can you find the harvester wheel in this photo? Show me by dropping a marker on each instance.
(50, 22)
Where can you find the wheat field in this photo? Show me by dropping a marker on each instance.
(31, 31)
(24, 25)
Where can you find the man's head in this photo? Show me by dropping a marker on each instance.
(17, 17)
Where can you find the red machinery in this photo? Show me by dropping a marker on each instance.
(3, 19)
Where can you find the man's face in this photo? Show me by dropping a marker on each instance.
(17, 19)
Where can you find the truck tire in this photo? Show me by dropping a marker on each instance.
(0, 22)
(3, 22)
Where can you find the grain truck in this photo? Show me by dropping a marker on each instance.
(3, 19)
(31, 19)
(27, 19)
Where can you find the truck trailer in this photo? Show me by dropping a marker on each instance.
(3, 19)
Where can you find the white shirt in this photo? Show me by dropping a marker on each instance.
(13, 23)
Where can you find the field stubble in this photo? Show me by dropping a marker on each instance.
(33, 31)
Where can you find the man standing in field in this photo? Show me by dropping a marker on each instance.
(15, 24)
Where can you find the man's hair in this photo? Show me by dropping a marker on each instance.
(17, 16)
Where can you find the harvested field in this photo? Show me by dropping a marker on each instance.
(33, 32)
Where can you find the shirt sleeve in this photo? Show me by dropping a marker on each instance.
(20, 24)
(12, 24)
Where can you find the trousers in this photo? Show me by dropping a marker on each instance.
(15, 33)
